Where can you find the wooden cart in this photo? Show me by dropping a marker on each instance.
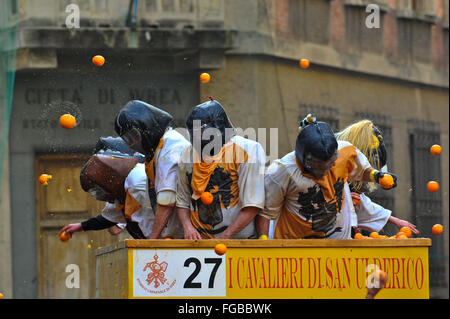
(263, 269)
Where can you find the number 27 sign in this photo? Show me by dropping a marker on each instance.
(177, 273)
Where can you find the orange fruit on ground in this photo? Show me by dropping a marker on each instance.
(167, 238)
(359, 236)
(67, 121)
(433, 186)
(205, 77)
(304, 63)
(98, 60)
(407, 231)
(437, 229)
(64, 236)
(435, 149)
(374, 235)
(207, 198)
(387, 181)
(383, 237)
(220, 249)
(402, 237)
(43, 179)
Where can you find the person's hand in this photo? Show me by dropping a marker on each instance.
(356, 199)
(399, 223)
(191, 233)
(223, 235)
(373, 291)
(115, 230)
(71, 228)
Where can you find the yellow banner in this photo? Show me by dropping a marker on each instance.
(278, 272)
(325, 273)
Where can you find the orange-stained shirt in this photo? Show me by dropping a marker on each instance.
(236, 181)
(137, 207)
(304, 207)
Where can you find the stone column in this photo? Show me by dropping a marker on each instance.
(5, 233)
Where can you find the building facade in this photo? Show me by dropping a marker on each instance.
(396, 75)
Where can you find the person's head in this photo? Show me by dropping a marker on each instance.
(103, 176)
(141, 126)
(316, 149)
(209, 123)
(115, 145)
(365, 136)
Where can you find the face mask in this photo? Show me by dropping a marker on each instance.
(133, 139)
(206, 140)
(319, 168)
(99, 194)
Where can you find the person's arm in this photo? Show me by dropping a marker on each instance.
(371, 216)
(274, 198)
(94, 223)
(373, 291)
(262, 225)
(245, 216)
(364, 172)
(162, 216)
(399, 223)
(373, 175)
(189, 231)
(251, 190)
(183, 202)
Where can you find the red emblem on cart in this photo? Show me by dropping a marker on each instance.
(157, 271)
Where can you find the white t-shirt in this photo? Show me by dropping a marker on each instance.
(371, 215)
(167, 160)
(138, 207)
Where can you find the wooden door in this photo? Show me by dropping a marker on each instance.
(59, 203)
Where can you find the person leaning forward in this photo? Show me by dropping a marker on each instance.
(307, 190)
(228, 166)
(147, 130)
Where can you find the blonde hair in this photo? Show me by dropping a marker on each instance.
(361, 135)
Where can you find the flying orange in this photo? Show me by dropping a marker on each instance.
(67, 121)
(437, 229)
(220, 249)
(207, 198)
(433, 186)
(43, 179)
(436, 149)
(98, 60)
(304, 63)
(205, 77)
